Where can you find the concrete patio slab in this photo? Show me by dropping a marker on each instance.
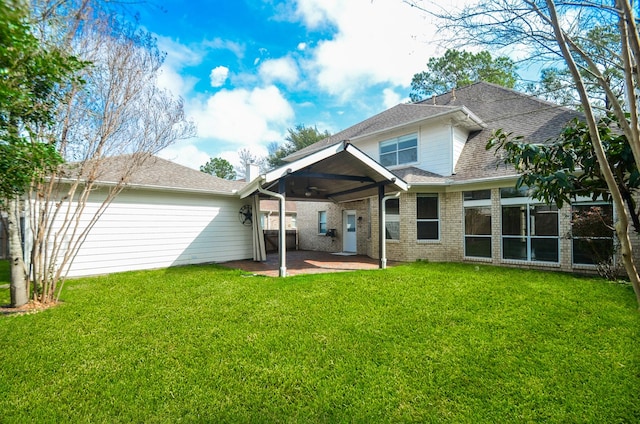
(307, 262)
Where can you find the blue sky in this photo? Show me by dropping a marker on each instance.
(249, 69)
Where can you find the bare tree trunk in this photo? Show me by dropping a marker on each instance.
(118, 112)
(19, 295)
(622, 225)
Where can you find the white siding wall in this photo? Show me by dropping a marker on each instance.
(459, 140)
(435, 150)
(144, 229)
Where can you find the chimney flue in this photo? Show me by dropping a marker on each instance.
(252, 171)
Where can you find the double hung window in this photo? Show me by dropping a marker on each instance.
(322, 222)
(392, 219)
(399, 151)
(427, 217)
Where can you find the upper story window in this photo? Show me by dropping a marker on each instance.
(400, 150)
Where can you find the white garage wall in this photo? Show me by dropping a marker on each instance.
(146, 229)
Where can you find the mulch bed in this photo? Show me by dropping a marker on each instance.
(29, 308)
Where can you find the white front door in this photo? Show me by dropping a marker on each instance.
(350, 241)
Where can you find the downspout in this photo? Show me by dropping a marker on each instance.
(282, 241)
(383, 226)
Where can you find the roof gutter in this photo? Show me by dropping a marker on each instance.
(231, 192)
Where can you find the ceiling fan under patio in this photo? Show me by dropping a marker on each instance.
(311, 190)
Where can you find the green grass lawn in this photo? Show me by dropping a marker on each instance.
(5, 297)
(415, 343)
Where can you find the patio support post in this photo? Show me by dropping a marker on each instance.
(282, 241)
(381, 225)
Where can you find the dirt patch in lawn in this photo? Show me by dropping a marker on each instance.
(29, 308)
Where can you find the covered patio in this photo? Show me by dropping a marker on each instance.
(307, 262)
(338, 173)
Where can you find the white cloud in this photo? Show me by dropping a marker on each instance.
(391, 98)
(178, 56)
(302, 46)
(219, 76)
(375, 43)
(185, 154)
(282, 70)
(238, 49)
(243, 116)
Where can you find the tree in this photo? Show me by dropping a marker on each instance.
(113, 124)
(459, 68)
(298, 138)
(30, 75)
(562, 171)
(559, 31)
(246, 157)
(556, 83)
(219, 167)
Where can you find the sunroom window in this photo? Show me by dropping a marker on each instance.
(530, 231)
(477, 223)
(399, 151)
(592, 233)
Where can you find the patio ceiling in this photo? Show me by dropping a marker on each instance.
(337, 173)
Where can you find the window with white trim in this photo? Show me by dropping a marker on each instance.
(530, 231)
(399, 151)
(592, 233)
(322, 222)
(477, 223)
(392, 219)
(427, 217)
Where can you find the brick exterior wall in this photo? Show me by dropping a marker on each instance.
(308, 236)
(450, 246)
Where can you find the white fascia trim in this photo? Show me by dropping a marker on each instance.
(452, 183)
(486, 180)
(462, 109)
(294, 166)
(232, 192)
(304, 162)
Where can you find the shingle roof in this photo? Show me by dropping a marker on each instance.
(497, 107)
(414, 175)
(396, 116)
(160, 173)
(536, 120)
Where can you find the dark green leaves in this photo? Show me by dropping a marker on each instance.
(32, 77)
(459, 68)
(567, 168)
